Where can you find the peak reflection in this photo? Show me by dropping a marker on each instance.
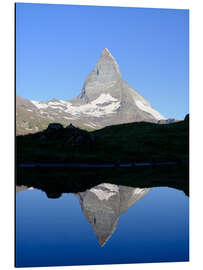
(103, 204)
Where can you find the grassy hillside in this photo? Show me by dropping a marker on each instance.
(127, 142)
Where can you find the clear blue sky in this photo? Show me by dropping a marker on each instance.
(57, 46)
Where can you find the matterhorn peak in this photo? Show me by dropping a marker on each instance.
(102, 78)
(105, 87)
(106, 55)
(106, 52)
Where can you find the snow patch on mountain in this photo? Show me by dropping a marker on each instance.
(103, 105)
(103, 98)
(94, 108)
(40, 105)
(105, 191)
(149, 109)
(92, 125)
(68, 118)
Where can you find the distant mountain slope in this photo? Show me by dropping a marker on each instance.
(105, 99)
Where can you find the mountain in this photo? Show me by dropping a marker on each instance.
(105, 99)
(102, 205)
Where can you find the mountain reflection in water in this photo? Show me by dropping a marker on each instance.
(102, 202)
(57, 232)
(102, 205)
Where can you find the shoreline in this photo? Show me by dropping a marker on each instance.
(103, 165)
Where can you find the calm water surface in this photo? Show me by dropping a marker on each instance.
(107, 224)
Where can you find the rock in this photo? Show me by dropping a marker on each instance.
(54, 126)
(71, 126)
(76, 136)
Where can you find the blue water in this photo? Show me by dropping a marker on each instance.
(54, 232)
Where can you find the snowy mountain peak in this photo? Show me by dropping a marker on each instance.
(101, 79)
(105, 99)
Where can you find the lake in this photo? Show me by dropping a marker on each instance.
(106, 224)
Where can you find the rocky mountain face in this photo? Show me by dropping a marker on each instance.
(105, 99)
(102, 205)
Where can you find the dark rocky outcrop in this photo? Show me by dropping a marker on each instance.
(70, 126)
(55, 126)
(77, 137)
(70, 135)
